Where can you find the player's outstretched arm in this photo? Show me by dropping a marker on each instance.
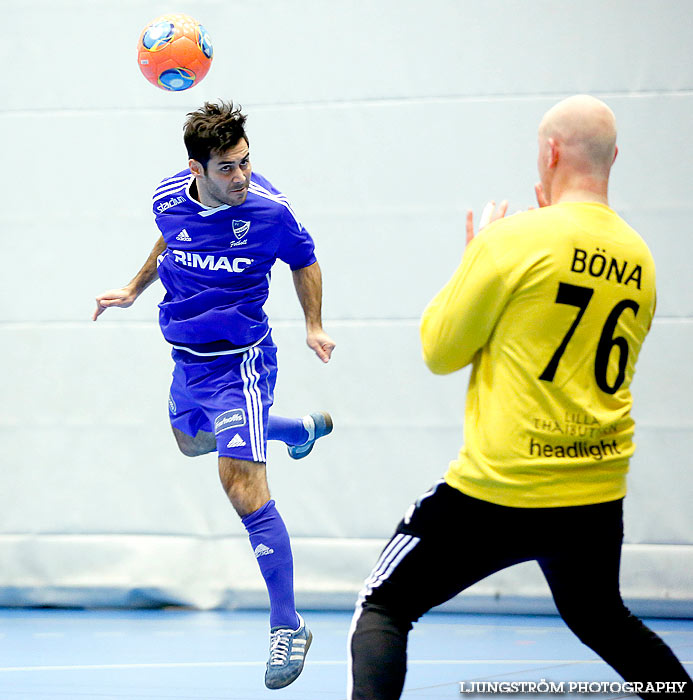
(460, 318)
(308, 284)
(126, 296)
(488, 215)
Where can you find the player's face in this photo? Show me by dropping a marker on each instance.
(226, 178)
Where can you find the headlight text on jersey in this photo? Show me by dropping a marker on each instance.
(211, 262)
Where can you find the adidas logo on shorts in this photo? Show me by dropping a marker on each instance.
(183, 236)
(262, 550)
(236, 441)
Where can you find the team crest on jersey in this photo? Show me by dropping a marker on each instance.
(240, 228)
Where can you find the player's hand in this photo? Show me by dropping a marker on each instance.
(488, 215)
(114, 297)
(542, 201)
(321, 344)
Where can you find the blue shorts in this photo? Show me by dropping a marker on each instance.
(229, 395)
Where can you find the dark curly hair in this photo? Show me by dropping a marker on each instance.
(215, 127)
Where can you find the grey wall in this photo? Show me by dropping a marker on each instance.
(382, 121)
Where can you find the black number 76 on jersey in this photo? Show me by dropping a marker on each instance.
(574, 295)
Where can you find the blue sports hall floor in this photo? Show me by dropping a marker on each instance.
(49, 654)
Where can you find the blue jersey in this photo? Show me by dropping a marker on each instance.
(217, 262)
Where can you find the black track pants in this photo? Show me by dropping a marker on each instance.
(451, 541)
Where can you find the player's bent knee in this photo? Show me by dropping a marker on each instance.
(594, 625)
(201, 444)
(186, 447)
(189, 451)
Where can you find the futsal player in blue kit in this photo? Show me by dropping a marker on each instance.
(223, 227)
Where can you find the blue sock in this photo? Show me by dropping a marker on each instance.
(288, 430)
(270, 542)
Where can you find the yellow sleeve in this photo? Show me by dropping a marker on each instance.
(460, 319)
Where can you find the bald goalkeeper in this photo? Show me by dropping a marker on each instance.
(550, 307)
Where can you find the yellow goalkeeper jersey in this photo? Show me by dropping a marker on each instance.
(551, 307)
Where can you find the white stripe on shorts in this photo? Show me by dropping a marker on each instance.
(253, 400)
(255, 389)
(250, 404)
(398, 548)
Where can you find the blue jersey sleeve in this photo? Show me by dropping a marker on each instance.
(296, 247)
